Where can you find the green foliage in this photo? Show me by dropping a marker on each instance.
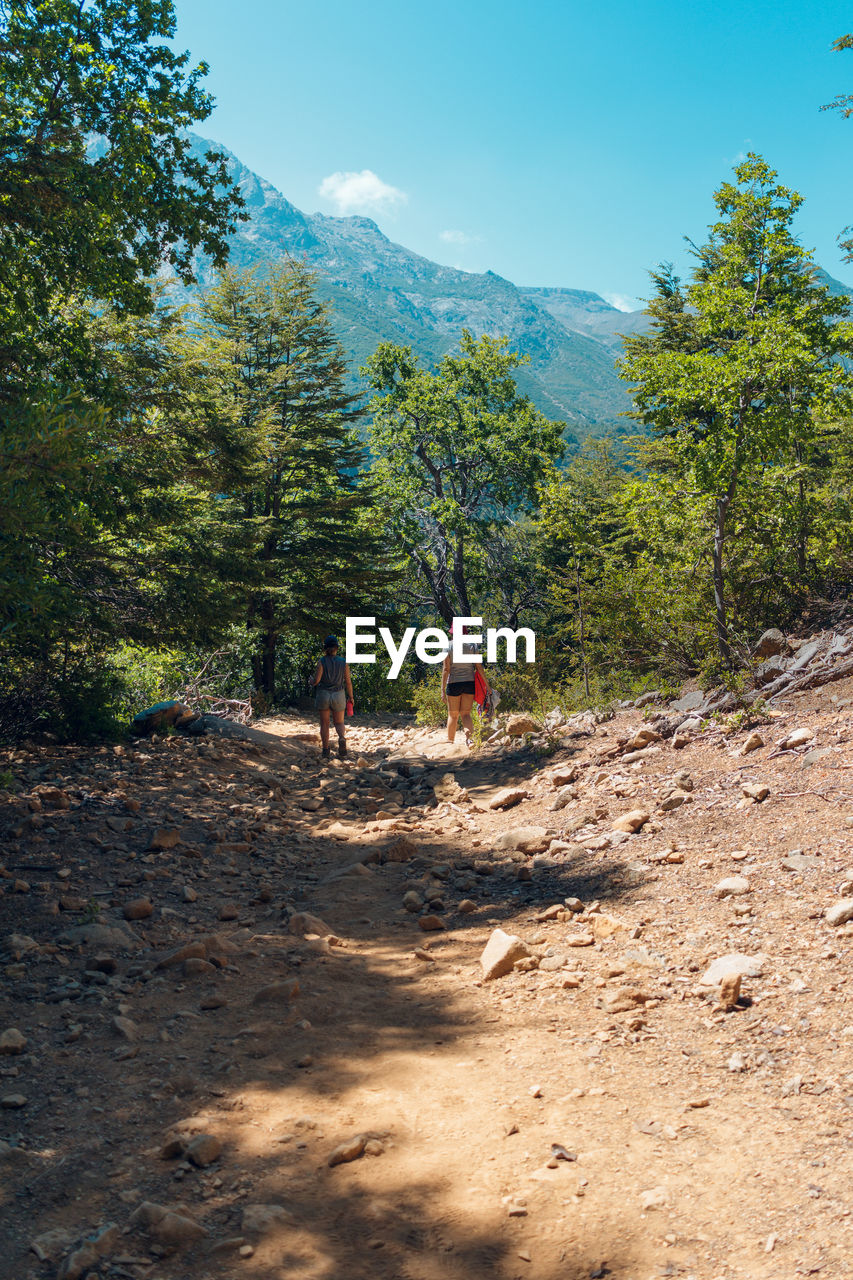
(81, 700)
(98, 181)
(481, 730)
(375, 692)
(147, 676)
(430, 707)
(458, 456)
(746, 717)
(738, 368)
(7, 780)
(90, 913)
(297, 495)
(108, 469)
(735, 506)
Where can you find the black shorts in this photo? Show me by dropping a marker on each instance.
(458, 687)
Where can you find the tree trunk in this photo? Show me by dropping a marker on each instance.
(582, 625)
(803, 531)
(459, 582)
(263, 659)
(719, 582)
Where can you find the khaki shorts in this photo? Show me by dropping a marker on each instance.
(334, 698)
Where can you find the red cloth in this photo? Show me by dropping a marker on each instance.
(350, 708)
(481, 689)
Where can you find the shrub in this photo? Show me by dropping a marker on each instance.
(430, 707)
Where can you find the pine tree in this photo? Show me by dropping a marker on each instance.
(299, 496)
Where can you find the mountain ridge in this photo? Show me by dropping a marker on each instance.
(382, 291)
(379, 290)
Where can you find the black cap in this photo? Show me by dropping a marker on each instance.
(329, 641)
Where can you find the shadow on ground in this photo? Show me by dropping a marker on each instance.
(266, 1079)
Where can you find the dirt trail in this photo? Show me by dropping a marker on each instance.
(595, 1112)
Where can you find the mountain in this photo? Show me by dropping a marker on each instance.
(382, 291)
(379, 291)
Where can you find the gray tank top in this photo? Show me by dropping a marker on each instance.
(460, 671)
(334, 673)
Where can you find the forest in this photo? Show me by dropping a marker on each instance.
(191, 496)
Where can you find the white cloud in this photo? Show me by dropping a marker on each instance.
(363, 192)
(458, 237)
(623, 301)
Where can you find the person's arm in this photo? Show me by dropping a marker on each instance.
(445, 672)
(317, 677)
(348, 680)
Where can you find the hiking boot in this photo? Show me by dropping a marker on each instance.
(342, 749)
(327, 751)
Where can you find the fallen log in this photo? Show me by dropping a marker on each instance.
(814, 679)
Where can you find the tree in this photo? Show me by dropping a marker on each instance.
(99, 185)
(739, 366)
(459, 454)
(109, 524)
(297, 493)
(581, 531)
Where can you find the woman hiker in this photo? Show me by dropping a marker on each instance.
(458, 688)
(333, 686)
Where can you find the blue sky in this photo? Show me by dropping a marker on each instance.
(556, 143)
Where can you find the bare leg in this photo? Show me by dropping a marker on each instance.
(466, 702)
(452, 716)
(340, 730)
(324, 727)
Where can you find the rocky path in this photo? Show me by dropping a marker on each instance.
(246, 1030)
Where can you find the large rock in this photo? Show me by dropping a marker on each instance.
(162, 715)
(840, 913)
(689, 702)
(731, 887)
(90, 1252)
(189, 951)
(771, 643)
(734, 964)
(448, 789)
(165, 838)
(519, 724)
(508, 798)
(346, 1152)
(52, 1244)
(112, 937)
(500, 954)
(631, 821)
(642, 738)
(277, 992)
(138, 909)
(203, 1149)
(125, 1027)
(403, 849)
(562, 774)
(259, 1219)
(171, 1228)
(796, 738)
(303, 922)
(524, 840)
(12, 1041)
(769, 670)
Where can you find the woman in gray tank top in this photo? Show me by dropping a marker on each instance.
(457, 690)
(333, 685)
